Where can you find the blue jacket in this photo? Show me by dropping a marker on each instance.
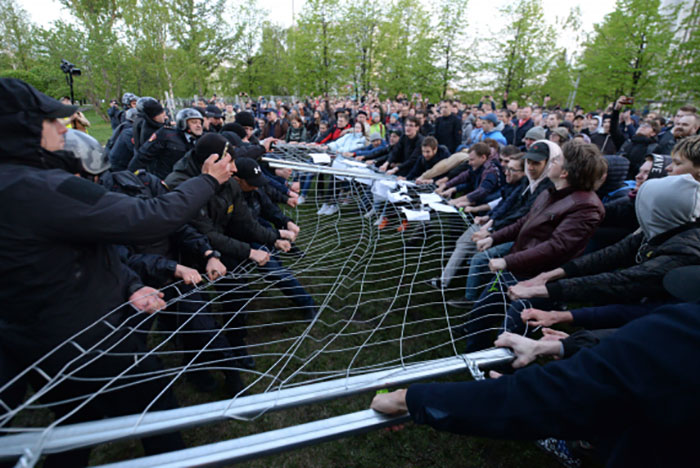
(630, 395)
(494, 135)
(370, 149)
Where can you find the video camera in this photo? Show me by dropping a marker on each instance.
(69, 68)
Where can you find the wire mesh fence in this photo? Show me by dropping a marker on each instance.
(360, 315)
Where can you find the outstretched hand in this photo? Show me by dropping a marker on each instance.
(147, 300)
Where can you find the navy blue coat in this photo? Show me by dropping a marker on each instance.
(631, 395)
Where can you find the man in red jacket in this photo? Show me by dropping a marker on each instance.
(556, 230)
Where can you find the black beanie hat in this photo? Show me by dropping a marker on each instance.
(245, 119)
(152, 108)
(659, 163)
(235, 128)
(210, 143)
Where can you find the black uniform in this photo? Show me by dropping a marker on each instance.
(160, 153)
(155, 263)
(226, 217)
(61, 276)
(122, 148)
(144, 127)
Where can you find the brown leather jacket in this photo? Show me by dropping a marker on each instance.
(555, 230)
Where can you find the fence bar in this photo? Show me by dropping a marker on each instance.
(126, 427)
(268, 443)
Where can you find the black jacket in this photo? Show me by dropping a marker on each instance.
(421, 165)
(635, 149)
(155, 262)
(261, 206)
(630, 395)
(122, 151)
(144, 127)
(405, 153)
(517, 204)
(448, 131)
(226, 219)
(629, 270)
(164, 148)
(521, 131)
(115, 116)
(60, 272)
(614, 186)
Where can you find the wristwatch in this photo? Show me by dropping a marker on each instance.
(213, 254)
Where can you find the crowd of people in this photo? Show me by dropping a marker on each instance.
(596, 210)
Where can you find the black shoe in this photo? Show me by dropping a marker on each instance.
(461, 303)
(202, 380)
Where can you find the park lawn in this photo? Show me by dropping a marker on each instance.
(413, 446)
(99, 129)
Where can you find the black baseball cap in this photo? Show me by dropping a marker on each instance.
(213, 112)
(18, 96)
(539, 151)
(248, 170)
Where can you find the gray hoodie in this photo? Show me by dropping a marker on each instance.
(664, 204)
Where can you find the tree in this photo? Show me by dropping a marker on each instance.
(522, 57)
(626, 54)
(682, 82)
(17, 34)
(405, 51)
(450, 28)
(314, 47)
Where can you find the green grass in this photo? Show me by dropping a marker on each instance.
(99, 129)
(359, 252)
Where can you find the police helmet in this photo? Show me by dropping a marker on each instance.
(184, 115)
(92, 155)
(142, 102)
(127, 98)
(131, 114)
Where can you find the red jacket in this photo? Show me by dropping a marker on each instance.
(334, 134)
(555, 230)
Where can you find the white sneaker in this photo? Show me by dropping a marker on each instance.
(370, 213)
(323, 210)
(332, 209)
(301, 200)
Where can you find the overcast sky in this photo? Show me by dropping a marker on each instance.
(483, 16)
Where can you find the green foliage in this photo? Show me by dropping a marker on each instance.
(522, 58)
(682, 83)
(199, 47)
(627, 54)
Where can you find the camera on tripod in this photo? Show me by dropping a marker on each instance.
(70, 71)
(69, 68)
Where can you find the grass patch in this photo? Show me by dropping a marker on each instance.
(360, 277)
(99, 129)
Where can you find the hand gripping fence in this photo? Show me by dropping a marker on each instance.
(378, 326)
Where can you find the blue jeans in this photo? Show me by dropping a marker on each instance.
(479, 273)
(286, 282)
(305, 180)
(493, 307)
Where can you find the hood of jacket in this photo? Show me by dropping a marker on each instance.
(616, 174)
(554, 151)
(667, 203)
